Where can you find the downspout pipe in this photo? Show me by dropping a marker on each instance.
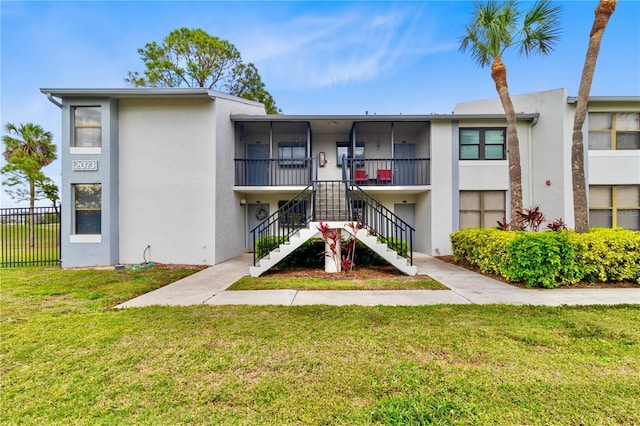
(53, 101)
(534, 121)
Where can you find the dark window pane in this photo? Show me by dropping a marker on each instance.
(628, 140)
(494, 152)
(469, 137)
(494, 136)
(88, 222)
(469, 152)
(629, 219)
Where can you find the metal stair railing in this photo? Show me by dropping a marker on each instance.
(276, 229)
(296, 213)
(381, 222)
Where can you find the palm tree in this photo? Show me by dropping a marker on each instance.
(28, 148)
(495, 27)
(603, 12)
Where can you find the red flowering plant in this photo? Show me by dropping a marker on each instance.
(346, 262)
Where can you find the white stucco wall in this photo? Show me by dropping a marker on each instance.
(614, 167)
(444, 183)
(229, 225)
(545, 149)
(167, 178)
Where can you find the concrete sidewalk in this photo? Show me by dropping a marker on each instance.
(465, 287)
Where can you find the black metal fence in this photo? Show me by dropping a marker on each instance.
(29, 237)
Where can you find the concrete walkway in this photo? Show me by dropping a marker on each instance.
(465, 287)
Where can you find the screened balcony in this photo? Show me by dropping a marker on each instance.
(274, 172)
(390, 171)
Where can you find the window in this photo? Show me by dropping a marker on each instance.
(295, 214)
(87, 130)
(292, 153)
(614, 206)
(481, 209)
(614, 131)
(343, 149)
(482, 144)
(88, 208)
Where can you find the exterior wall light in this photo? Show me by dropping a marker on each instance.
(243, 202)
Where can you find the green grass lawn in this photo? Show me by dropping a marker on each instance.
(299, 283)
(67, 358)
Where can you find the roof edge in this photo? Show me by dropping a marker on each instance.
(574, 99)
(142, 93)
(368, 117)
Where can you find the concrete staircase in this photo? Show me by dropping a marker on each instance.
(331, 201)
(391, 256)
(304, 234)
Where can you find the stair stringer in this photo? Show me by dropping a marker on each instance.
(276, 255)
(391, 256)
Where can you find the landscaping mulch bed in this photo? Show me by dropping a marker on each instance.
(467, 265)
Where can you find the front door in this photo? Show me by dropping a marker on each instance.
(257, 213)
(258, 165)
(406, 212)
(404, 170)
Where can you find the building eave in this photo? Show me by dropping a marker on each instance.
(378, 118)
(142, 93)
(607, 99)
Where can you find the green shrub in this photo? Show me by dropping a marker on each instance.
(483, 247)
(541, 259)
(397, 244)
(550, 259)
(308, 255)
(264, 245)
(608, 255)
(311, 255)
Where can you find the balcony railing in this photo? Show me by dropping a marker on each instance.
(275, 172)
(362, 171)
(390, 171)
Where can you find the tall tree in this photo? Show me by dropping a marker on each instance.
(193, 58)
(603, 12)
(494, 28)
(28, 148)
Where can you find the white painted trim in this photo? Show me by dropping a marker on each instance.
(85, 238)
(87, 150)
(620, 153)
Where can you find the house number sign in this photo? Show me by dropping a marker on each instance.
(84, 165)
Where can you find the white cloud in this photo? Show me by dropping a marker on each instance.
(354, 44)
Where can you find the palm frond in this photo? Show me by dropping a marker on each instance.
(540, 29)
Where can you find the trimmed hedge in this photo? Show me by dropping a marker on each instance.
(549, 259)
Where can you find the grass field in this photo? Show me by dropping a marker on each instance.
(67, 358)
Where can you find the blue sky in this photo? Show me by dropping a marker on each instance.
(314, 57)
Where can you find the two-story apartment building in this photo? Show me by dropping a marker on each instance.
(187, 174)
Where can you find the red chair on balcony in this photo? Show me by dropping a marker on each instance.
(384, 176)
(361, 176)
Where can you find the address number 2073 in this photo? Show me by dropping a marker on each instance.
(84, 165)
